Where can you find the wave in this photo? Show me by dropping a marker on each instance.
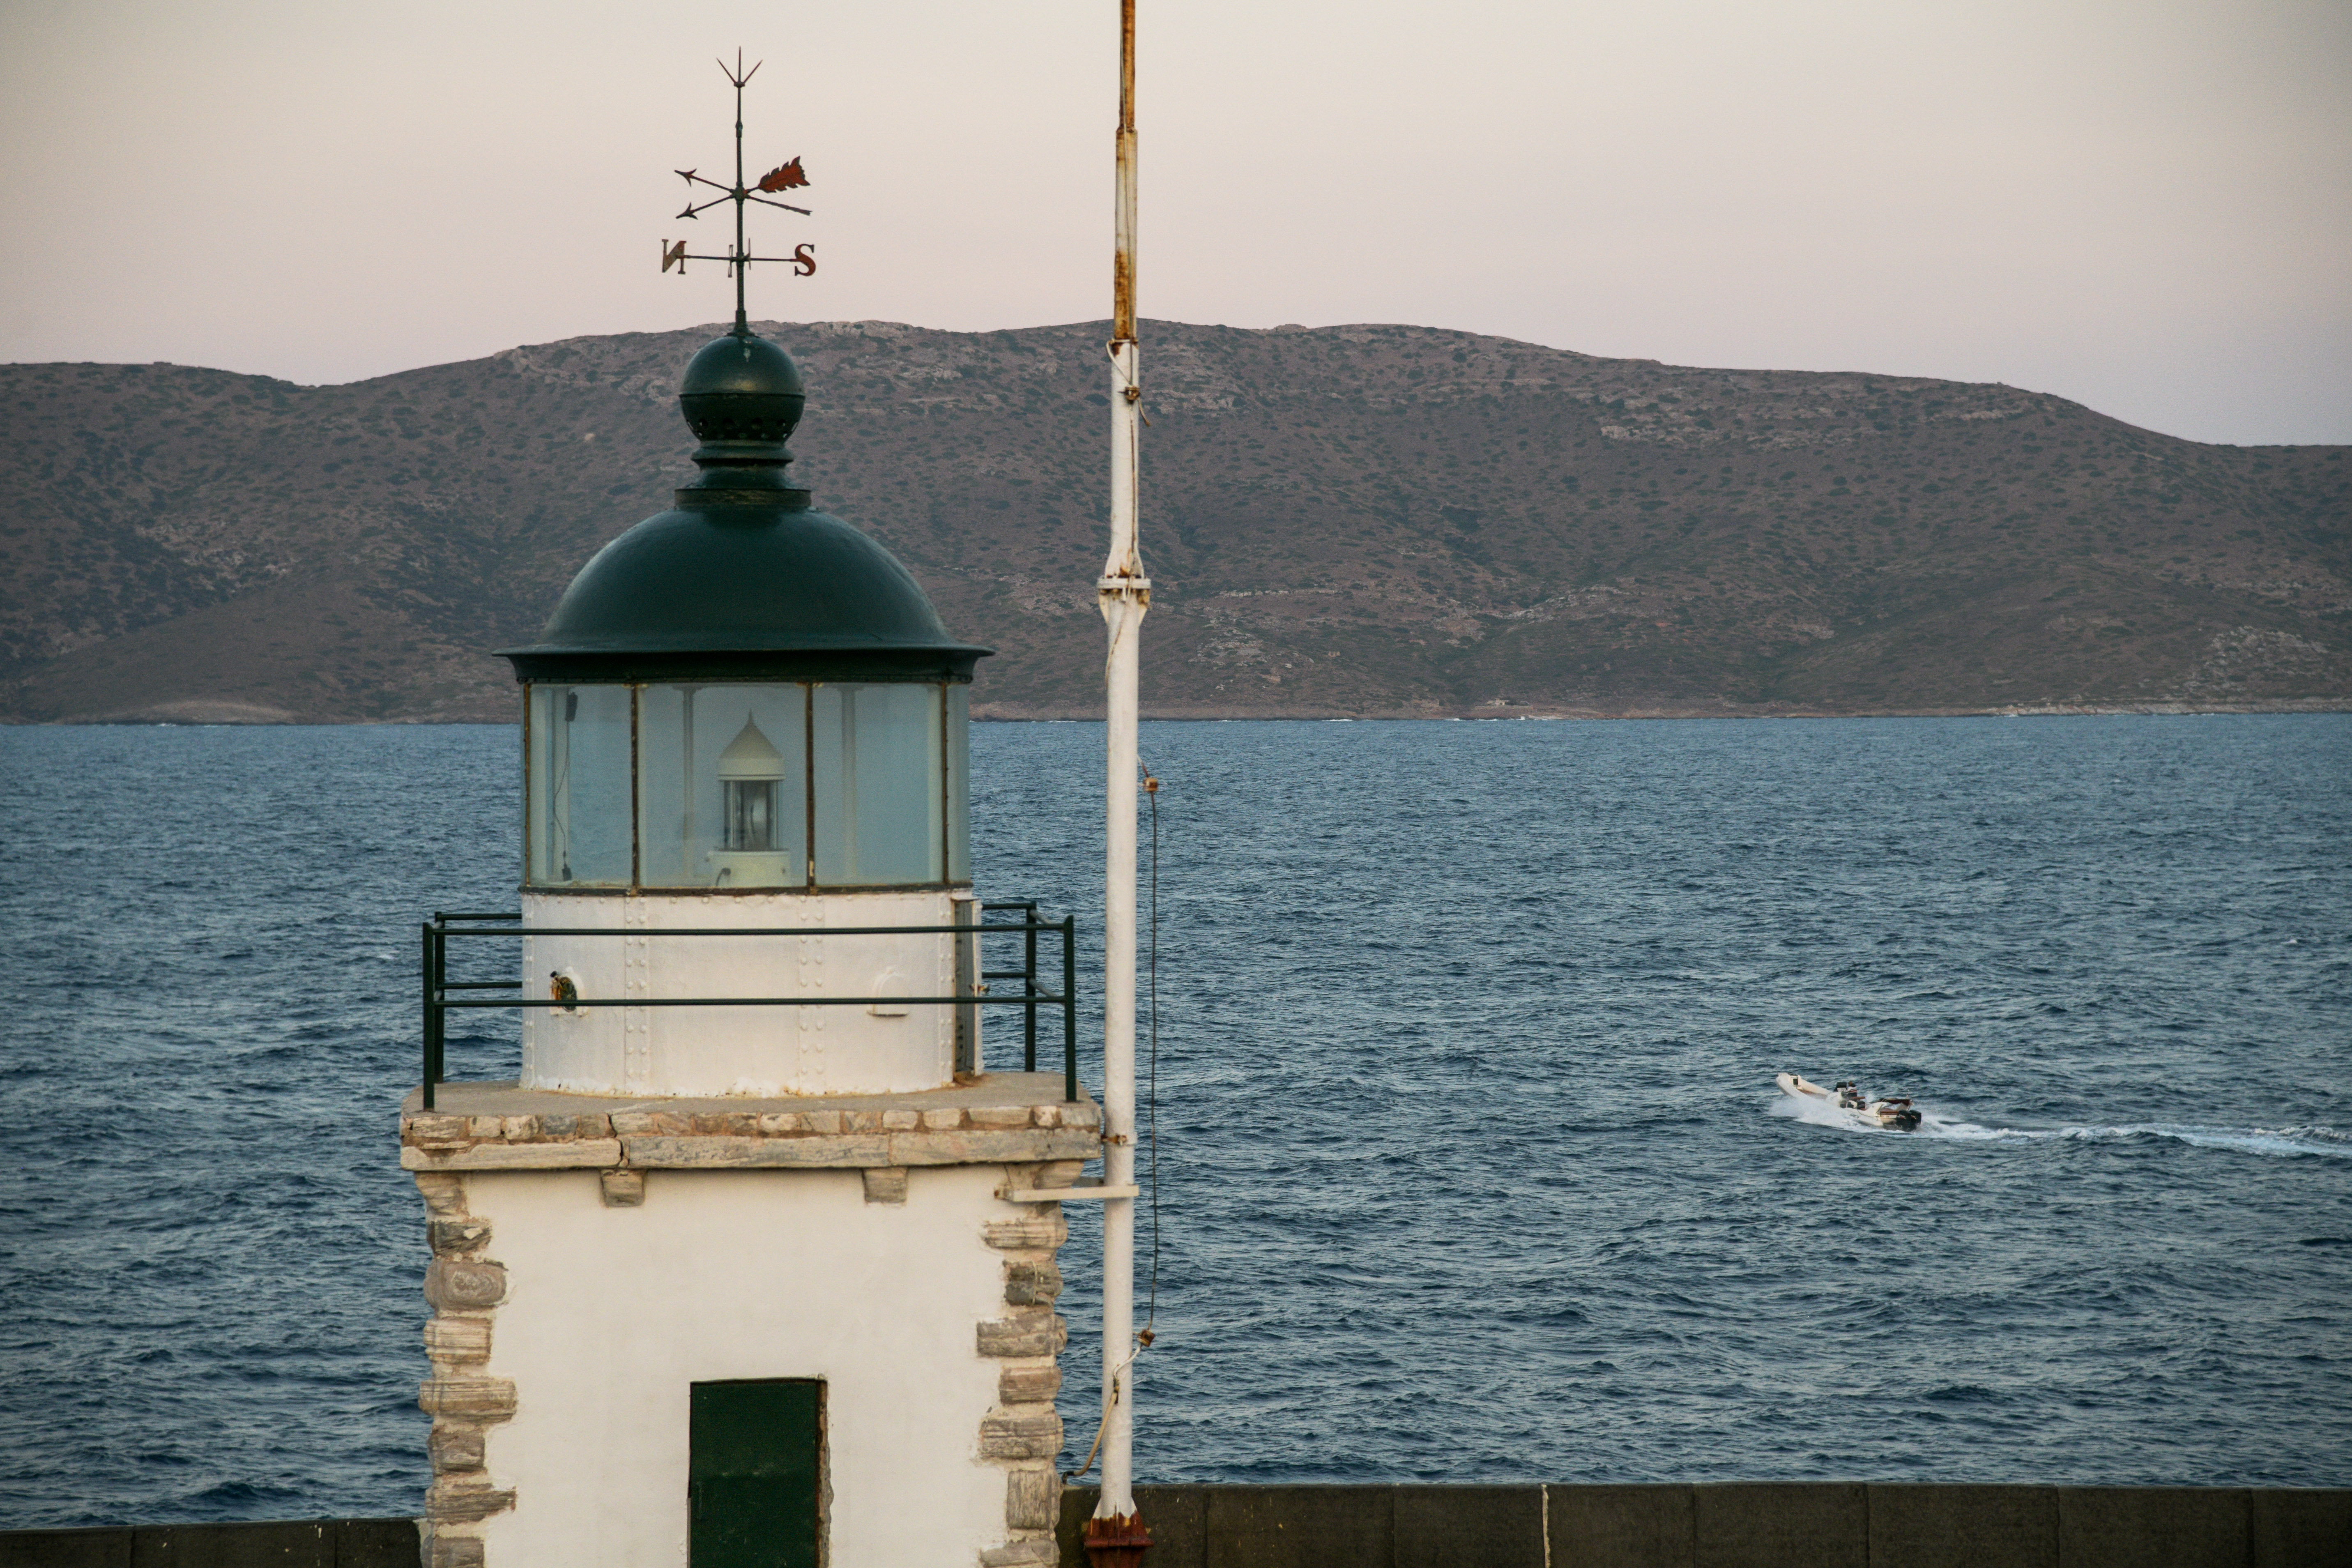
(2327, 1142)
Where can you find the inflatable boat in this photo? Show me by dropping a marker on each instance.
(1897, 1115)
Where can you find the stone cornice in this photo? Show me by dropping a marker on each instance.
(502, 1129)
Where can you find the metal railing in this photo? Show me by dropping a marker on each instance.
(446, 925)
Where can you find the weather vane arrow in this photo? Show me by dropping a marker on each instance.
(784, 178)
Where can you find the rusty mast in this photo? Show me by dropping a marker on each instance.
(1124, 594)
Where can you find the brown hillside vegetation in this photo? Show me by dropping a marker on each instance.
(1360, 520)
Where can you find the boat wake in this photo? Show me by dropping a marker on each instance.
(2325, 1142)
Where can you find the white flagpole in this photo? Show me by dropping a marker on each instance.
(1125, 593)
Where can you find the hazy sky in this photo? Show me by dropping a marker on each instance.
(2146, 204)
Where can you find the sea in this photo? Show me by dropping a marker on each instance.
(1465, 1157)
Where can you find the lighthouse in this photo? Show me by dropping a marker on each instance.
(749, 1260)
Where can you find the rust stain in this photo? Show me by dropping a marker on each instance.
(1118, 1541)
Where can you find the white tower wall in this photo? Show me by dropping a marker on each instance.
(608, 1047)
(596, 1453)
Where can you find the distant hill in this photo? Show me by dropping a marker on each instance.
(1359, 521)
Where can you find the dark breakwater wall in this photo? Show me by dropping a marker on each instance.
(303, 1543)
(1762, 1525)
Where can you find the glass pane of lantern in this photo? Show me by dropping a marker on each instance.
(723, 777)
(879, 804)
(578, 784)
(959, 783)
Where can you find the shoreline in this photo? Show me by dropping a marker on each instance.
(240, 715)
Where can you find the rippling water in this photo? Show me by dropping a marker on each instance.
(1471, 1165)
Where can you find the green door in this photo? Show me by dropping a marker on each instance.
(752, 1475)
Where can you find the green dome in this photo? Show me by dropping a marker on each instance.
(742, 579)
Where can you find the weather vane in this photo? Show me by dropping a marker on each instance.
(786, 177)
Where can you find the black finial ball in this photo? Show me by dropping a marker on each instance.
(741, 387)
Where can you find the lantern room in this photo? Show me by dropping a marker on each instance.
(723, 786)
(744, 713)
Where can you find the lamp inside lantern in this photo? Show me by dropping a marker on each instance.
(751, 842)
